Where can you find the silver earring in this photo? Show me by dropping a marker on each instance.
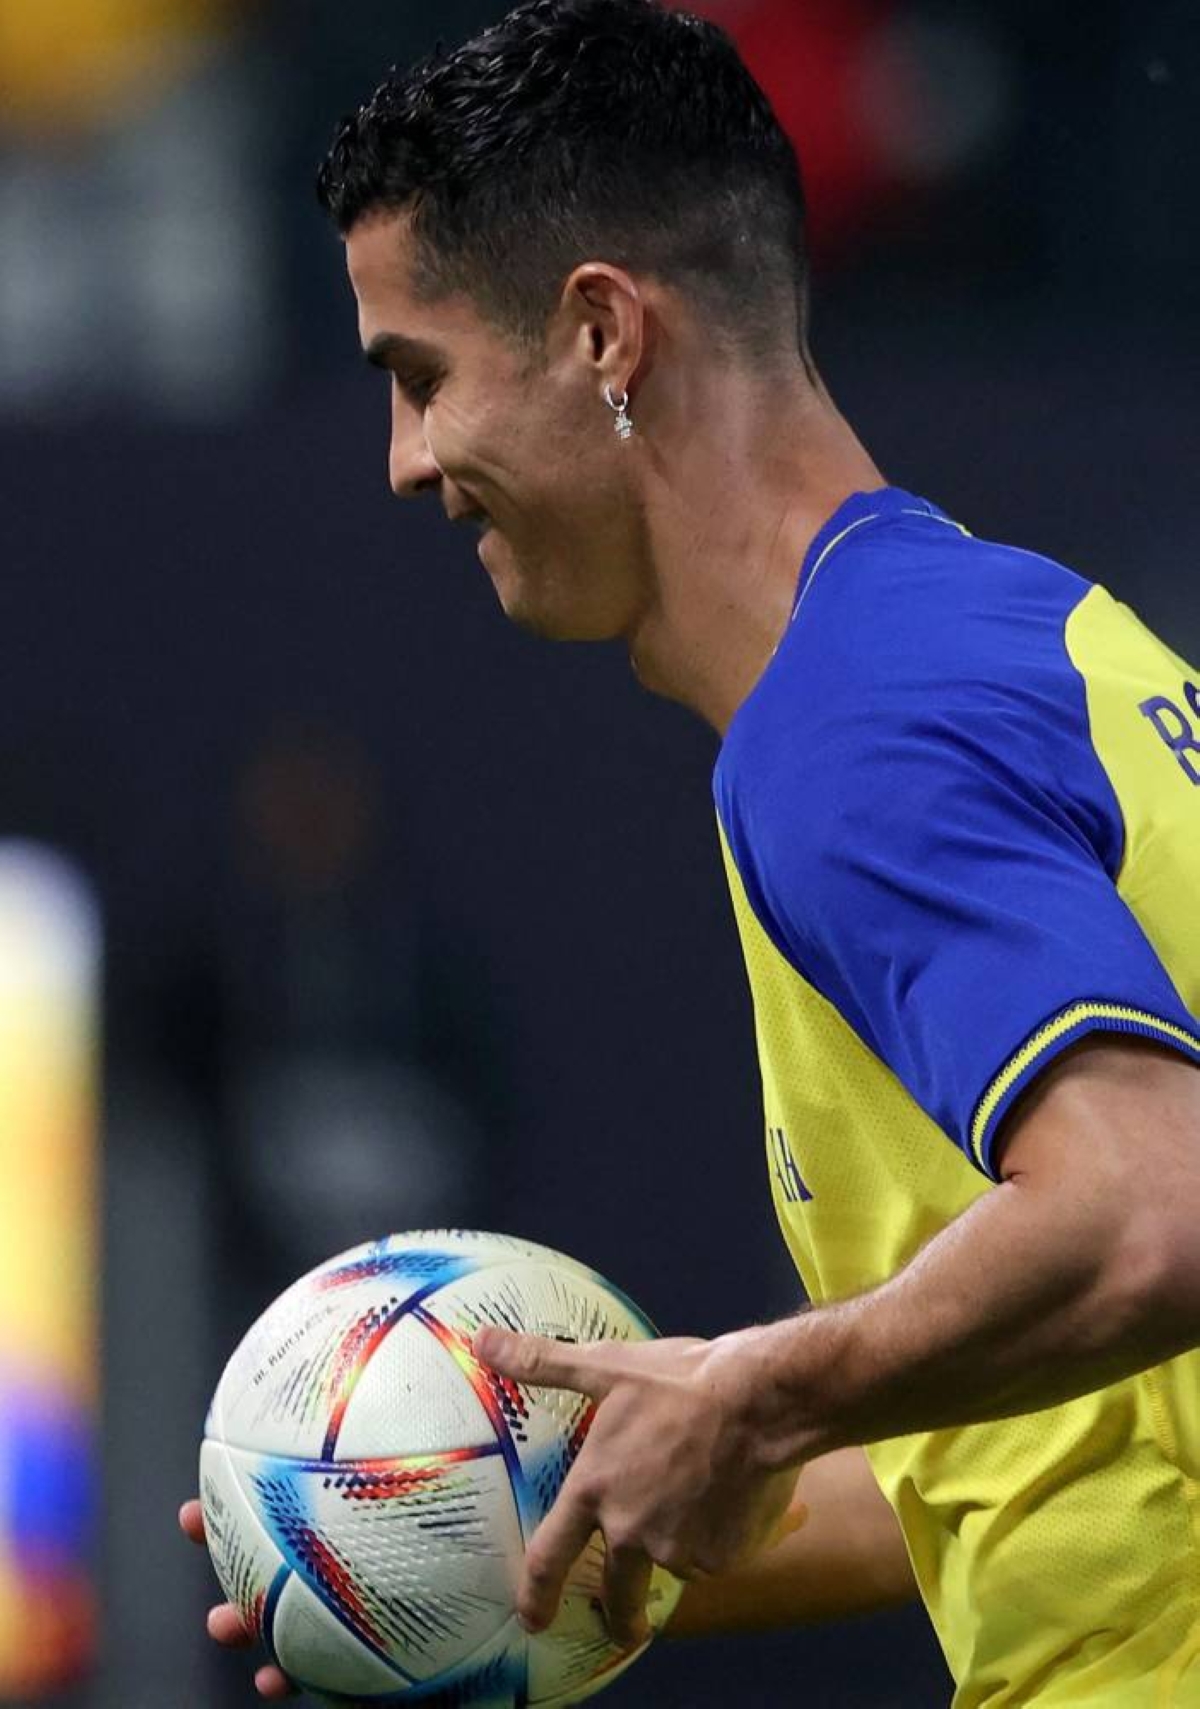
(623, 426)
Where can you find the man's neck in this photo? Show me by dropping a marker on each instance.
(729, 520)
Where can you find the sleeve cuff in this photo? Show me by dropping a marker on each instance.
(1048, 1042)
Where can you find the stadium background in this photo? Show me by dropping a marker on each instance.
(408, 918)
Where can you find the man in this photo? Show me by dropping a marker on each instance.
(958, 798)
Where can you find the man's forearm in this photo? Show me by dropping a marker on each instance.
(1037, 1294)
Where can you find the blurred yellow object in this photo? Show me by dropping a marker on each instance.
(72, 64)
(49, 1267)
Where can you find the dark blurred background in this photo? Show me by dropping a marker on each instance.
(408, 918)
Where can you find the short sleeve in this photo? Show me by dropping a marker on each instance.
(961, 916)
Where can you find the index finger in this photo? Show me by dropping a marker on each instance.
(545, 1363)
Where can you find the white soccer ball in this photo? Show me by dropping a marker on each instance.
(369, 1488)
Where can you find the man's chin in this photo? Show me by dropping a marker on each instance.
(530, 606)
(512, 590)
(534, 619)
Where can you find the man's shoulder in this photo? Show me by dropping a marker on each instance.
(903, 621)
(913, 644)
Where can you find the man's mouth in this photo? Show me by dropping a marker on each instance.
(479, 520)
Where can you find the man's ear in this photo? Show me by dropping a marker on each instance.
(604, 317)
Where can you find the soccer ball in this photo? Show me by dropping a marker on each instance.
(369, 1487)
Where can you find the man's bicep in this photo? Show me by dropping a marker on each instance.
(1119, 1112)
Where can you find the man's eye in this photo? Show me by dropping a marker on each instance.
(417, 391)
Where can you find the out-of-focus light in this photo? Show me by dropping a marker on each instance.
(879, 100)
(78, 63)
(806, 54)
(49, 985)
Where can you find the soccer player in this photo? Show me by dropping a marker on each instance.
(959, 801)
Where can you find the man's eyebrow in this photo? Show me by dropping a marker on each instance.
(388, 347)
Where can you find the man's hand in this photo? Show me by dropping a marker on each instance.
(224, 1623)
(668, 1473)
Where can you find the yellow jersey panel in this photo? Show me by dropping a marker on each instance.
(860, 1176)
(1144, 712)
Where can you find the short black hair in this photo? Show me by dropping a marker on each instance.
(577, 130)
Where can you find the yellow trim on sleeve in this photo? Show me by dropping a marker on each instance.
(1049, 1035)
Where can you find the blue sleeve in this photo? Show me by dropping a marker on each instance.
(942, 869)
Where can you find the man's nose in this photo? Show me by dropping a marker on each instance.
(411, 466)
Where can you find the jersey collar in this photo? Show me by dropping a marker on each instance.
(856, 513)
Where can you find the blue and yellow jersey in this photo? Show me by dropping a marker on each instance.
(961, 818)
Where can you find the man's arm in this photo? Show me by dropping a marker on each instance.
(1081, 1268)
(848, 1557)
